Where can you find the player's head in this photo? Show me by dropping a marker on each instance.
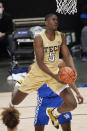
(10, 117)
(51, 21)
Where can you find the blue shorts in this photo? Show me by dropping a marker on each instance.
(65, 117)
(41, 118)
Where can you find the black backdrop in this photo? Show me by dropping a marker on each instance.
(39, 8)
(30, 8)
(33, 8)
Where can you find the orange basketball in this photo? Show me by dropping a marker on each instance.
(66, 74)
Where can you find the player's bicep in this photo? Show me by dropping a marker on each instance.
(64, 49)
(38, 49)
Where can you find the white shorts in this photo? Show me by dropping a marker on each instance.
(61, 89)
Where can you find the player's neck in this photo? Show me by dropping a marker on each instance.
(15, 129)
(50, 34)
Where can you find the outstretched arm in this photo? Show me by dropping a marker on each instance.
(66, 54)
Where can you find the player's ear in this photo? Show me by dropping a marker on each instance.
(46, 23)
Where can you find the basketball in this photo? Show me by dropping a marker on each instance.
(66, 74)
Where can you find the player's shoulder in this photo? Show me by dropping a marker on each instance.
(59, 32)
(42, 32)
(39, 37)
(62, 35)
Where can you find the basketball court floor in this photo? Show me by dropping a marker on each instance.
(27, 107)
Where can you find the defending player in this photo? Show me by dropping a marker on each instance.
(47, 98)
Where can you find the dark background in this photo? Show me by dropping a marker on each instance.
(34, 8)
(39, 8)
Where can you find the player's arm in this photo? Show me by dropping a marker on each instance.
(69, 62)
(39, 52)
(66, 53)
(72, 85)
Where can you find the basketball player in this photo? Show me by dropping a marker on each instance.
(10, 117)
(44, 70)
(47, 98)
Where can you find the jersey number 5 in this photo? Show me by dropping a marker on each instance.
(52, 56)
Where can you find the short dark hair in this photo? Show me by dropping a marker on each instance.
(49, 15)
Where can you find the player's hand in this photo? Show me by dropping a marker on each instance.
(80, 99)
(58, 79)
